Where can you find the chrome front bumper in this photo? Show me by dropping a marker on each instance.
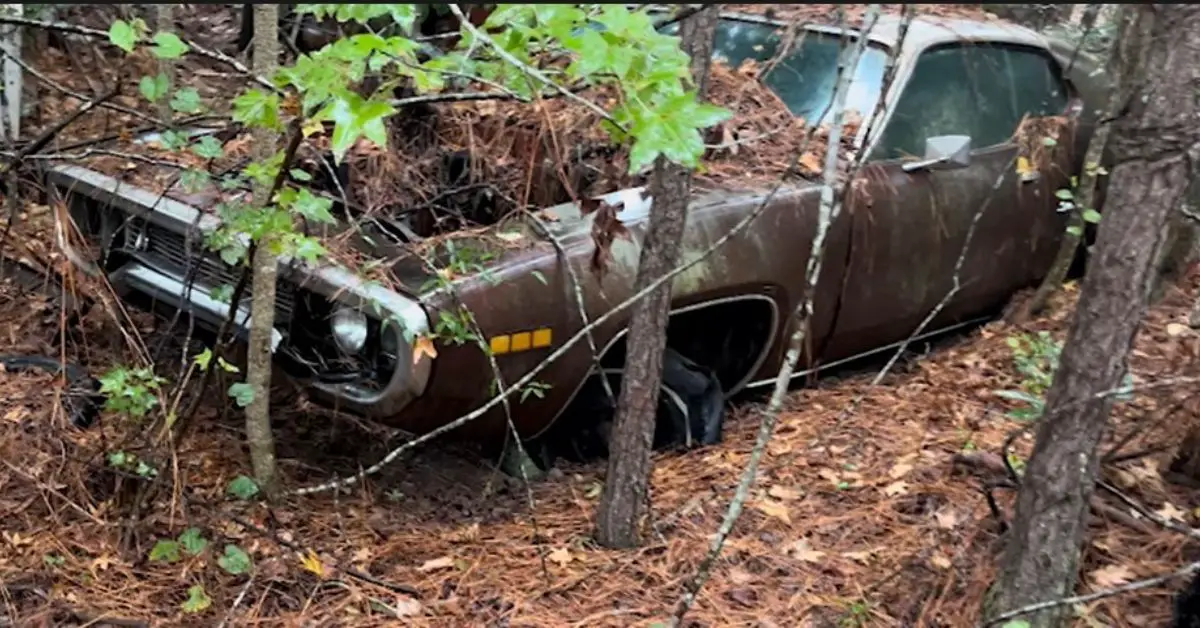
(409, 377)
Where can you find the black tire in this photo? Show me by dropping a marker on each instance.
(691, 411)
(81, 399)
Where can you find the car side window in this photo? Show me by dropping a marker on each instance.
(970, 89)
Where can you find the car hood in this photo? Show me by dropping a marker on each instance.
(530, 237)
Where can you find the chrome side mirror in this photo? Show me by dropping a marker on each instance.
(943, 152)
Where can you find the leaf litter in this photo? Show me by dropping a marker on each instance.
(463, 537)
(826, 522)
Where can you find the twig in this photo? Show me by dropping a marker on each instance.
(1147, 513)
(104, 152)
(50, 489)
(530, 70)
(1138, 585)
(454, 97)
(74, 94)
(350, 571)
(237, 601)
(99, 34)
(679, 16)
(828, 212)
(47, 135)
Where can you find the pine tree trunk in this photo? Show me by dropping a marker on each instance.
(262, 304)
(627, 483)
(1154, 142)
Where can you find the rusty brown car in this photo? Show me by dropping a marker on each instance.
(944, 166)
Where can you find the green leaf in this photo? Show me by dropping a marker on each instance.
(173, 140)
(305, 248)
(186, 100)
(353, 118)
(203, 358)
(165, 550)
(197, 600)
(704, 115)
(1015, 623)
(192, 542)
(242, 487)
(1064, 194)
(1075, 230)
(1049, 141)
(222, 293)
(225, 366)
(167, 46)
(257, 108)
(193, 180)
(235, 561)
(153, 88)
(208, 147)
(539, 276)
(242, 394)
(300, 175)
(313, 207)
(1090, 215)
(122, 35)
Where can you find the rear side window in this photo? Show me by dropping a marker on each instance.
(971, 89)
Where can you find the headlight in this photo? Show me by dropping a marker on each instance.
(349, 329)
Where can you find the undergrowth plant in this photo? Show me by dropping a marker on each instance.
(1035, 358)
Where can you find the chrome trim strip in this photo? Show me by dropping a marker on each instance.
(169, 287)
(858, 356)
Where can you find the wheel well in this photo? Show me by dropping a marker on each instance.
(728, 336)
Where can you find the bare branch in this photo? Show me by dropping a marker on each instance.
(66, 90)
(215, 55)
(829, 208)
(530, 70)
(1138, 585)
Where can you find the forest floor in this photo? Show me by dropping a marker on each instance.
(867, 511)
(862, 517)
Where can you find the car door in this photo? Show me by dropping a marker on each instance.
(909, 228)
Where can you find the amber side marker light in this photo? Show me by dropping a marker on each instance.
(521, 341)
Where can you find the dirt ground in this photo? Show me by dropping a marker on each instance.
(863, 514)
(859, 518)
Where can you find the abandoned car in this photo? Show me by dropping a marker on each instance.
(947, 162)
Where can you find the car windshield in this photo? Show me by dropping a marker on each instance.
(805, 77)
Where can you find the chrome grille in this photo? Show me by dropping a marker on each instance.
(171, 250)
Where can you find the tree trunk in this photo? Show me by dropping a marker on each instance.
(627, 483)
(1179, 252)
(264, 267)
(1085, 191)
(1154, 141)
(165, 20)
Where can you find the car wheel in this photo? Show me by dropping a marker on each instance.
(529, 462)
(691, 407)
